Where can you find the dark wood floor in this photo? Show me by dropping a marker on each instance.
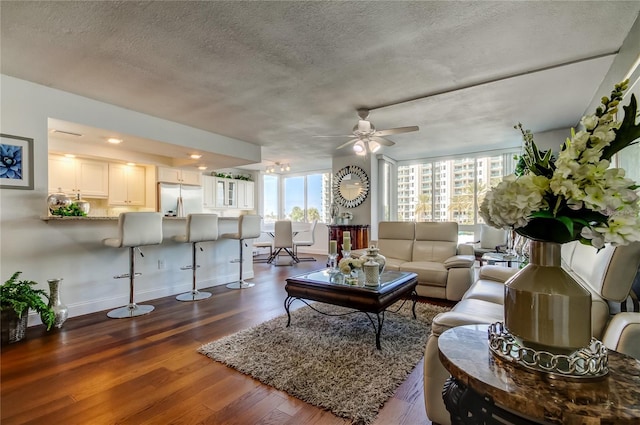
(146, 370)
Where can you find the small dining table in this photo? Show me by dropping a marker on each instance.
(296, 227)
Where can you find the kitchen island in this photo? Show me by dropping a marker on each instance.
(88, 267)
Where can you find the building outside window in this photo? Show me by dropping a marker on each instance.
(450, 190)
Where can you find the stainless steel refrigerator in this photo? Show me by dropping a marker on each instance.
(178, 199)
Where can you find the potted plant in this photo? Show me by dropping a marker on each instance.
(16, 298)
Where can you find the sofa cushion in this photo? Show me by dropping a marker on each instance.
(395, 239)
(468, 312)
(487, 290)
(393, 264)
(457, 261)
(428, 271)
(433, 250)
(608, 272)
(435, 241)
(497, 273)
(437, 231)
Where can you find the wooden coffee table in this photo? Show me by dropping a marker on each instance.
(328, 287)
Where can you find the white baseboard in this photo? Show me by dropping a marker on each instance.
(80, 309)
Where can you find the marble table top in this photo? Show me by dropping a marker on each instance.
(614, 399)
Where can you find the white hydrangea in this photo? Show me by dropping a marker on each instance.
(511, 202)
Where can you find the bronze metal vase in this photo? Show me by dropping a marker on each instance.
(544, 307)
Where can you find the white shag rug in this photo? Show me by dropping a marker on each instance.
(331, 361)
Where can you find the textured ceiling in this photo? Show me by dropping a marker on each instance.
(278, 73)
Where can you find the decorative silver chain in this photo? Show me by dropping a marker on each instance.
(587, 362)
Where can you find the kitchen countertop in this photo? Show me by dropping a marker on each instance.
(94, 218)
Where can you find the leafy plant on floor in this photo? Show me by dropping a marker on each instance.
(20, 296)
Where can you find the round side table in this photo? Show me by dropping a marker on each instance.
(483, 387)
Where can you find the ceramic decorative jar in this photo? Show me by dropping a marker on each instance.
(57, 200)
(371, 273)
(373, 254)
(83, 205)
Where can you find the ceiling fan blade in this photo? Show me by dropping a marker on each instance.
(339, 135)
(396, 130)
(383, 141)
(347, 144)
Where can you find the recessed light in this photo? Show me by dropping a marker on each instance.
(131, 163)
(69, 155)
(195, 156)
(202, 167)
(114, 140)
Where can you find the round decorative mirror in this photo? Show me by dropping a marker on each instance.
(350, 186)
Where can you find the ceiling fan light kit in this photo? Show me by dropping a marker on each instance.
(272, 168)
(367, 138)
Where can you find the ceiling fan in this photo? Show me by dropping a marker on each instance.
(367, 138)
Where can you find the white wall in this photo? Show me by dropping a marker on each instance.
(552, 139)
(73, 251)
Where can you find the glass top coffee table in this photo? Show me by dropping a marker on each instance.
(328, 287)
(501, 257)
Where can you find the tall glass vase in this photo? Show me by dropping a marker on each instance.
(544, 307)
(61, 311)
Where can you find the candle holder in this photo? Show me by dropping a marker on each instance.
(333, 267)
(345, 253)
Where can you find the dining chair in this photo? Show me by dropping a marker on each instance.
(283, 240)
(306, 242)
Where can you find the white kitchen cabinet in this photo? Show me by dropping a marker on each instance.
(226, 193)
(126, 185)
(208, 191)
(87, 177)
(245, 195)
(176, 175)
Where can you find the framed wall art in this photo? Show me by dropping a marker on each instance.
(16, 162)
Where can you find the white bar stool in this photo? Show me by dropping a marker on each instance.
(200, 228)
(248, 228)
(135, 229)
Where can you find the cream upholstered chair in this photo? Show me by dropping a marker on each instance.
(283, 240)
(491, 240)
(200, 228)
(309, 241)
(135, 229)
(248, 228)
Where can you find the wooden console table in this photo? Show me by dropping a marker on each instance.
(359, 235)
(482, 387)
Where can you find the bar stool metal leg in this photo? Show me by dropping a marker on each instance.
(194, 294)
(132, 309)
(240, 284)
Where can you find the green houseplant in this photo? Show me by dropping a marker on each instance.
(16, 298)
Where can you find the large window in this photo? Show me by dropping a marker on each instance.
(270, 198)
(303, 197)
(449, 190)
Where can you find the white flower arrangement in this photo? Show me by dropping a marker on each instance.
(578, 196)
(348, 264)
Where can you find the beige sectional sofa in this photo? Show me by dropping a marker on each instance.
(431, 250)
(607, 274)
